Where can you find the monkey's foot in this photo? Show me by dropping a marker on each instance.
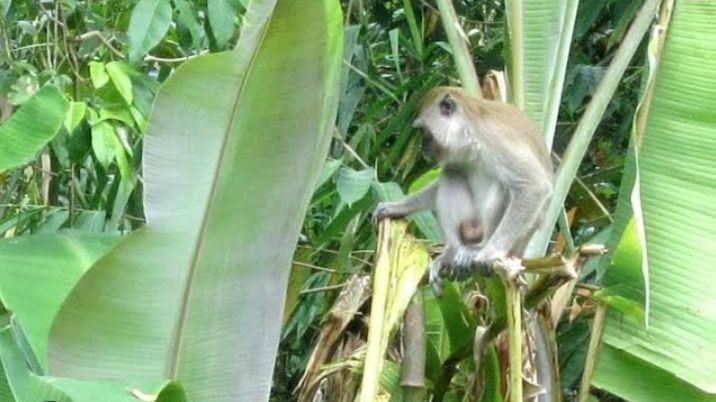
(466, 261)
(434, 276)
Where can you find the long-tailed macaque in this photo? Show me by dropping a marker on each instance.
(495, 182)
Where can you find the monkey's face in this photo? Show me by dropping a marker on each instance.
(431, 149)
(444, 127)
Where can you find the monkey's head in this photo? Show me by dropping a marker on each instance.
(444, 118)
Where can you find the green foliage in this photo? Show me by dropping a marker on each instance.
(108, 57)
(149, 23)
(25, 134)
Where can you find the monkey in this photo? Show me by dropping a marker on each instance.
(494, 186)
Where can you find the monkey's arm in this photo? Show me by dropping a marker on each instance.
(423, 199)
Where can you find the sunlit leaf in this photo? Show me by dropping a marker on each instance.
(75, 114)
(25, 134)
(98, 74)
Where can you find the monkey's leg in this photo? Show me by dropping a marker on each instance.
(458, 217)
(436, 268)
(525, 207)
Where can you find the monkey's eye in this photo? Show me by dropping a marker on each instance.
(447, 106)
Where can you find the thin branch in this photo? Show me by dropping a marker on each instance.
(317, 268)
(101, 37)
(595, 199)
(382, 87)
(334, 252)
(350, 150)
(149, 57)
(323, 289)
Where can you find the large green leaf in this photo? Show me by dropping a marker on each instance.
(37, 273)
(233, 149)
(677, 167)
(636, 380)
(19, 383)
(116, 391)
(25, 134)
(540, 33)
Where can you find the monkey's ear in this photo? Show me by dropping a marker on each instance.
(447, 106)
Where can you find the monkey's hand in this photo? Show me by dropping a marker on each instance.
(387, 210)
(467, 260)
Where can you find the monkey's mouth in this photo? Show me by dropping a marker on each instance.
(431, 149)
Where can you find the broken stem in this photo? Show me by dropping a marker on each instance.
(510, 272)
(600, 315)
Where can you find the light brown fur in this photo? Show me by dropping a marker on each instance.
(496, 179)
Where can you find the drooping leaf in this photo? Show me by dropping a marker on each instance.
(676, 167)
(232, 151)
(352, 185)
(188, 19)
(24, 134)
(330, 166)
(121, 80)
(149, 22)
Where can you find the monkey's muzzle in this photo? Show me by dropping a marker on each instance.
(430, 147)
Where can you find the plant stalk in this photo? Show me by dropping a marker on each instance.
(373, 364)
(593, 349)
(412, 376)
(514, 337)
(514, 13)
(556, 82)
(460, 52)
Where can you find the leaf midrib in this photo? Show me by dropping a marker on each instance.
(178, 337)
